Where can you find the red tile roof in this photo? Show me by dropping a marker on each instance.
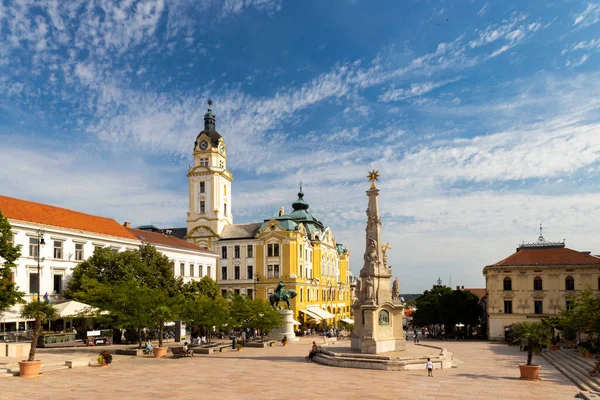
(44, 214)
(548, 256)
(166, 240)
(480, 293)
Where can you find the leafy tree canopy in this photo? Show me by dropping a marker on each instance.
(204, 287)
(442, 305)
(9, 294)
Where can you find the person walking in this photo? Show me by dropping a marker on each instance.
(429, 367)
(416, 336)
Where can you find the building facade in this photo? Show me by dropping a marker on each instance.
(538, 281)
(55, 240)
(295, 248)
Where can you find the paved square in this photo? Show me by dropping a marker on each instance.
(489, 371)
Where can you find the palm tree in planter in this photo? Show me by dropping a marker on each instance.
(39, 312)
(534, 335)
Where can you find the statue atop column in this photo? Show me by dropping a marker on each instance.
(369, 288)
(396, 289)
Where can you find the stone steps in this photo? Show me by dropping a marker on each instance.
(574, 367)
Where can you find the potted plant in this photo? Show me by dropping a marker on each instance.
(534, 335)
(39, 312)
(104, 359)
(239, 347)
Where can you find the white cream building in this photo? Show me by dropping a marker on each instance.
(538, 281)
(70, 237)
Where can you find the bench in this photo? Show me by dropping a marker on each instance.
(268, 343)
(179, 352)
(209, 350)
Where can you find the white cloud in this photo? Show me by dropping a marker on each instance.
(589, 16)
(498, 31)
(483, 10)
(416, 89)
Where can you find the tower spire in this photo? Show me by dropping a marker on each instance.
(209, 117)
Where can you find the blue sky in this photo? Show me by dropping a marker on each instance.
(482, 117)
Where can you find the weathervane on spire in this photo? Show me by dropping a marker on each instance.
(373, 176)
(209, 104)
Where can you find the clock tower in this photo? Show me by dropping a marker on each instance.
(209, 186)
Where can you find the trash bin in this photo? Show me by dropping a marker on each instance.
(233, 343)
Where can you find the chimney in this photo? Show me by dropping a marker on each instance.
(458, 288)
(462, 288)
(127, 224)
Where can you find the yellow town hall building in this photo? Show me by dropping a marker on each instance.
(294, 248)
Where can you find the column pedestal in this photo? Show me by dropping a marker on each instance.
(286, 328)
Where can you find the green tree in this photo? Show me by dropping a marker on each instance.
(9, 253)
(585, 314)
(39, 312)
(534, 335)
(204, 287)
(429, 306)
(137, 287)
(240, 311)
(262, 316)
(207, 312)
(442, 305)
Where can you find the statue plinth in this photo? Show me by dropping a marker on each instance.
(286, 328)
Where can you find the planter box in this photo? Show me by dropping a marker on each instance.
(554, 347)
(529, 372)
(29, 368)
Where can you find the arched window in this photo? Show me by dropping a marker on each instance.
(569, 283)
(507, 283)
(301, 295)
(537, 283)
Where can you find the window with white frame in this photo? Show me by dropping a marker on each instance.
(249, 272)
(202, 187)
(203, 162)
(58, 284)
(200, 270)
(181, 269)
(202, 207)
(78, 251)
(276, 270)
(236, 272)
(250, 251)
(33, 282)
(270, 271)
(236, 251)
(58, 250)
(273, 250)
(33, 247)
(191, 270)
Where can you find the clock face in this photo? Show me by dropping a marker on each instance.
(221, 148)
(203, 144)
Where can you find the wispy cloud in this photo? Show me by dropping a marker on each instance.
(416, 89)
(590, 16)
(483, 10)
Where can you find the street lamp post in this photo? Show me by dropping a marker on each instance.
(40, 243)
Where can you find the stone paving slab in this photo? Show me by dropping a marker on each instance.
(489, 371)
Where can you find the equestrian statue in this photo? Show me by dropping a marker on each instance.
(281, 294)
